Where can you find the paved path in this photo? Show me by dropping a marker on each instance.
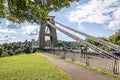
(77, 72)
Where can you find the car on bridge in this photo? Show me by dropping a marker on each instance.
(116, 53)
(92, 52)
(76, 50)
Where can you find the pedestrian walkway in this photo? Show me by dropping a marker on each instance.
(77, 72)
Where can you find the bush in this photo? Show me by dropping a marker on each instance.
(1, 51)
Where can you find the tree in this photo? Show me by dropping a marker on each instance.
(30, 10)
(16, 48)
(92, 42)
(1, 51)
(115, 38)
(103, 38)
(98, 44)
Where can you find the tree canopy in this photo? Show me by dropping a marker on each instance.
(115, 38)
(30, 10)
(1, 51)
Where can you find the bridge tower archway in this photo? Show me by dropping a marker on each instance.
(52, 34)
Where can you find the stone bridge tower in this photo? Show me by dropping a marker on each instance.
(52, 34)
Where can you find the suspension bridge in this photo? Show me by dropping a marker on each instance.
(105, 60)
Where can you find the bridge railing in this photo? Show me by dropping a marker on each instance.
(90, 59)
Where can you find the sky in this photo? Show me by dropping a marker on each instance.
(99, 18)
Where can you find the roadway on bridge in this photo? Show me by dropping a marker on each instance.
(77, 72)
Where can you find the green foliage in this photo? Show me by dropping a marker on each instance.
(16, 47)
(29, 67)
(98, 44)
(92, 42)
(1, 51)
(115, 38)
(2, 9)
(103, 38)
(69, 44)
(30, 10)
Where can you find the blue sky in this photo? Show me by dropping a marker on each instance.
(99, 18)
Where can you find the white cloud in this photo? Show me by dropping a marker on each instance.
(7, 38)
(8, 22)
(11, 25)
(31, 30)
(81, 28)
(7, 31)
(96, 11)
(114, 24)
(116, 14)
(0, 35)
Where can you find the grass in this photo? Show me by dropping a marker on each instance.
(88, 67)
(29, 67)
